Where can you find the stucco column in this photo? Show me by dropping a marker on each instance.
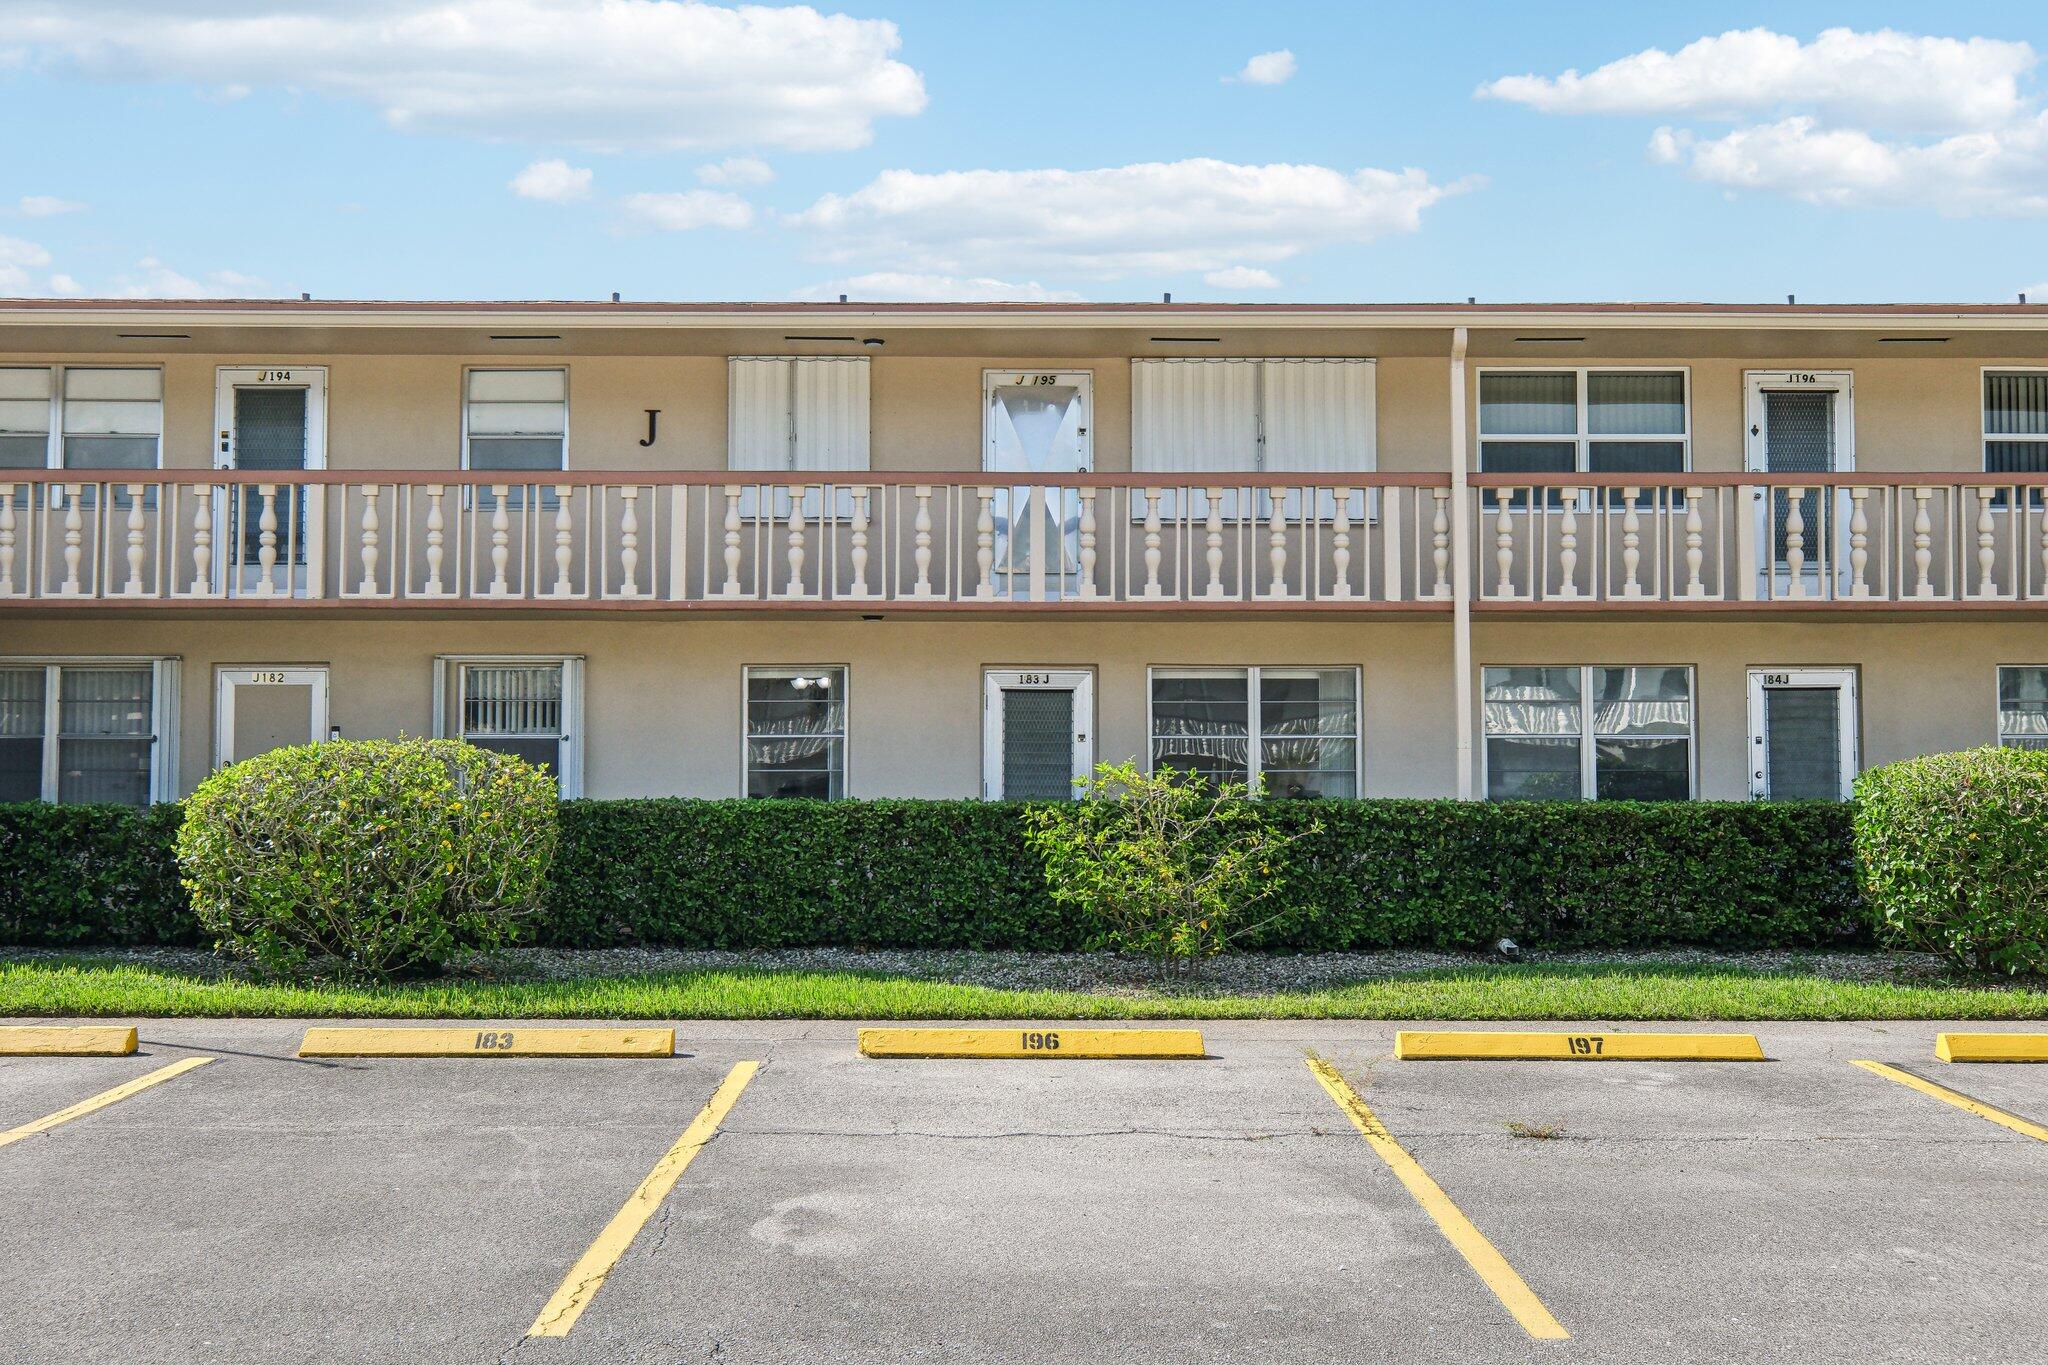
(1461, 570)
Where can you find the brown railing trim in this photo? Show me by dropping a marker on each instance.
(1950, 478)
(650, 478)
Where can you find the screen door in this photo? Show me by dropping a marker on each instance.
(1036, 422)
(1798, 424)
(271, 420)
(260, 709)
(1036, 732)
(1802, 734)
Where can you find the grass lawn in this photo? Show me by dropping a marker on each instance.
(85, 987)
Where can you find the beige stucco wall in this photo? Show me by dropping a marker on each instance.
(395, 411)
(662, 697)
(662, 708)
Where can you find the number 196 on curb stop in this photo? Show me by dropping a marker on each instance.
(1039, 1042)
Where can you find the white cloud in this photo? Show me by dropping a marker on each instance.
(1884, 79)
(554, 181)
(1996, 173)
(45, 206)
(60, 283)
(737, 172)
(156, 280)
(1242, 277)
(686, 209)
(17, 259)
(1155, 217)
(598, 74)
(1268, 68)
(1850, 120)
(891, 286)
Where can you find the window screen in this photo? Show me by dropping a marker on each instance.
(1201, 723)
(796, 732)
(104, 734)
(515, 709)
(517, 420)
(1803, 743)
(1634, 421)
(1038, 743)
(24, 418)
(113, 419)
(23, 695)
(2016, 423)
(2023, 707)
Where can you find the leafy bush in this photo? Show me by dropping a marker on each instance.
(1168, 864)
(74, 875)
(957, 874)
(1953, 851)
(372, 857)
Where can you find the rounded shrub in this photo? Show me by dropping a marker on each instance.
(1952, 850)
(368, 857)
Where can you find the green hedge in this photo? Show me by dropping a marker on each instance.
(956, 874)
(91, 875)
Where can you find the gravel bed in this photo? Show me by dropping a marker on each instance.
(1096, 973)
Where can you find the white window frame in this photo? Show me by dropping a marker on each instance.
(1589, 755)
(1254, 721)
(1582, 440)
(53, 437)
(229, 678)
(1850, 727)
(996, 681)
(792, 436)
(1258, 465)
(1984, 373)
(845, 733)
(448, 678)
(462, 397)
(163, 712)
(1998, 699)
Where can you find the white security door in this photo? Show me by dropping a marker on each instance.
(260, 709)
(1036, 733)
(1802, 734)
(272, 418)
(1798, 422)
(1036, 422)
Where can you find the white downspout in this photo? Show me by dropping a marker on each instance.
(1461, 570)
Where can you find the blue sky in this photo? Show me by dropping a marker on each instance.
(567, 148)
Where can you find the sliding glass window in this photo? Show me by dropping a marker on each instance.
(2023, 707)
(1305, 722)
(1571, 733)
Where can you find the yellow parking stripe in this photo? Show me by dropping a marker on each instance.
(102, 1100)
(1489, 1264)
(49, 1040)
(587, 1276)
(1960, 1101)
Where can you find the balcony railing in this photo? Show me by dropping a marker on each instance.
(1384, 540)
(1772, 538)
(719, 539)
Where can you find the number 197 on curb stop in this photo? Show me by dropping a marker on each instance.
(1585, 1045)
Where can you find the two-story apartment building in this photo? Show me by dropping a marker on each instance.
(862, 550)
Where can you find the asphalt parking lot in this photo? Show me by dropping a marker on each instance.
(267, 1207)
